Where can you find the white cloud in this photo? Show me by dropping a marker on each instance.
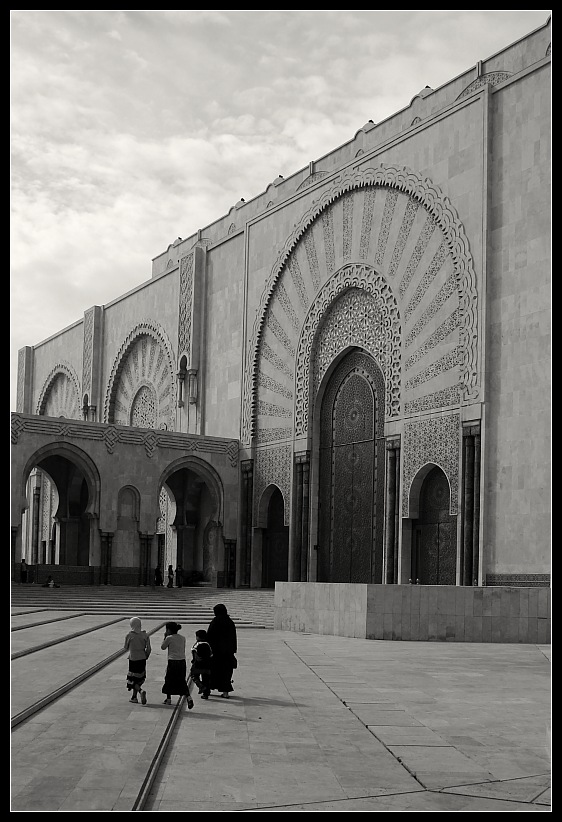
(132, 127)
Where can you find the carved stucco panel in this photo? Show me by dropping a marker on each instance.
(437, 441)
(365, 315)
(273, 466)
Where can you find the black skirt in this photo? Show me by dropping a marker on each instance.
(136, 675)
(221, 673)
(175, 681)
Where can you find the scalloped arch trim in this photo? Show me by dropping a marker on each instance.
(62, 368)
(142, 329)
(445, 215)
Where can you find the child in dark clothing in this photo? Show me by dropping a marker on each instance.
(200, 671)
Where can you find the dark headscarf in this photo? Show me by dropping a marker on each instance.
(221, 633)
(220, 610)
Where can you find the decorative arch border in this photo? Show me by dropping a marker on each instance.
(416, 486)
(78, 457)
(144, 328)
(209, 474)
(65, 368)
(446, 217)
(365, 278)
(493, 78)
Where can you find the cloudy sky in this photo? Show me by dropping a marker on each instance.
(130, 128)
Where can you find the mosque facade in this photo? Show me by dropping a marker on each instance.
(344, 379)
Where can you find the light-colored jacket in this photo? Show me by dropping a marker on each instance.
(175, 643)
(138, 645)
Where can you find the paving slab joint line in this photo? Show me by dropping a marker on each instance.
(27, 651)
(367, 727)
(154, 767)
(54, 695)
(46, 621)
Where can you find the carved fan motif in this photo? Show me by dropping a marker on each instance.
(62, 400)
(143, 396)
(400, 239)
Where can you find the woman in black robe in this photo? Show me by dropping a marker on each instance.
(221, 636)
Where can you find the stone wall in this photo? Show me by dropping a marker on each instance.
(425, 613)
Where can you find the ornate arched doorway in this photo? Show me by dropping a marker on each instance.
(435, 553)
(275, 552)
(351, 469)
(191, 505)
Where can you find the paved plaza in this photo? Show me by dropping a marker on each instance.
(315, 723)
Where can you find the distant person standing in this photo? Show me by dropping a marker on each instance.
(137, 642)
(175, 680)
(158, 580)
(179, 577)
(221, 636)
(23, 571)
(170, 576)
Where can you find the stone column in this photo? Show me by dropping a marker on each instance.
(230, 563)
(35, 525)
(470, 545)
(391, 507)
(105, 550)
(467, 505)
(476, 508)
(296, 548)
(109, 555)
(13, 548)
(305, 515)
(397, 511)
(143, 558)
(247, 468)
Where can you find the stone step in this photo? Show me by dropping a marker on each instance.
(253, 608)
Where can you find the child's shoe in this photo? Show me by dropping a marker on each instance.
(143, 697)
(133, 699)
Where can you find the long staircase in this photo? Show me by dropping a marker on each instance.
(252, 608)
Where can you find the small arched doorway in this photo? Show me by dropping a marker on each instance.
(275, 549)
(434, 554)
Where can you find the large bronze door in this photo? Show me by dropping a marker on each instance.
(435, 556)
(350, 544)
